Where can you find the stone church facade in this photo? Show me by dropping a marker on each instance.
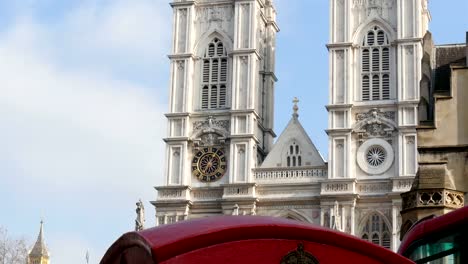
(220, 156)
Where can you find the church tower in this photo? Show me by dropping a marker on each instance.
(375, 54)
(39, 253)
(220, 119)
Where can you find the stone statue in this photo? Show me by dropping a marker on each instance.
(336, 218)
(253, 211)
(235, 210)
(140, 219)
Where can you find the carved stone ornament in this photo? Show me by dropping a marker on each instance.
(374, 7)
(210, 132)
(214, 13)
(214, 17)
(365, 9)
(375, 123)
(299, 256)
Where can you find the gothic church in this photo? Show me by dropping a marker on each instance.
(220, 155)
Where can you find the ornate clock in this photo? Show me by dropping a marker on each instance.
(209, 164)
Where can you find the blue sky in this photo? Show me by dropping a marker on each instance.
(83, 90)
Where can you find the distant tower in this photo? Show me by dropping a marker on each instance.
(39, 253)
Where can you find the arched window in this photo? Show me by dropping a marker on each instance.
(293, 156)
(214, 76)
(376, 231)
(375, 66)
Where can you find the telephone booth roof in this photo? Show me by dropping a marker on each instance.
(246, 239)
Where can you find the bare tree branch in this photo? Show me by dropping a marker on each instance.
(12, 251)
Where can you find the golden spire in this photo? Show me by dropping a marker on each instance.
(39, 251)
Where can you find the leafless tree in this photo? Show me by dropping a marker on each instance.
(12, 250)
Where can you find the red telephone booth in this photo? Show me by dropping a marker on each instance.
(245, 239)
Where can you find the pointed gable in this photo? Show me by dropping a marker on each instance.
(293, 148)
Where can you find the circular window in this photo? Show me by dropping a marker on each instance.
(375, 156)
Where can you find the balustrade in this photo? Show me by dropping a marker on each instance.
(289, 175)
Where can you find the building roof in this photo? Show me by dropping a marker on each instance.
(39, 249)
(294, 133)
(445, 56)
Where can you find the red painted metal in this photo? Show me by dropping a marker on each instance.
(247, 239)
(453, 221)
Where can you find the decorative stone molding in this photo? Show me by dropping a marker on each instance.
(238, 190)
(210, 132)
(244, 59)
(173, 193)
(168, 194)
(381, 187)
(284, 206)
(409, 50)
(180, 64)
(211, 124)
(284, 175)
(375, 123)
(214, 17)
(402, 185)
(425, 198)
(336, 187)
(363, 9)
(283, 192)
(207, 194)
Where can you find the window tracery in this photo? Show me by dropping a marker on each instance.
(376, 231)
(375, 65)
(214, 76)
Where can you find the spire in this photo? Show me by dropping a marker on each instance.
(39, 249)
(295, 108)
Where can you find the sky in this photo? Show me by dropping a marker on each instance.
(83, 90)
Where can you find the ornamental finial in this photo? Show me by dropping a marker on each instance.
(295, 107)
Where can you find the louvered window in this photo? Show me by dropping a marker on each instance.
(365, 88)
(375, 66)
(376, 231)
(214, 76)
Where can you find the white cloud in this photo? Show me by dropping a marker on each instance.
(125, 27)
(77, 132)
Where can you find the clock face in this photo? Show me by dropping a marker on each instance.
(209, 164)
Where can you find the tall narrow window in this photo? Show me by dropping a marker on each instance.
(376, 231)
(375, 66)
(293, 156)
(214, 76)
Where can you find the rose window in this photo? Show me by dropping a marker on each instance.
(376, 156)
